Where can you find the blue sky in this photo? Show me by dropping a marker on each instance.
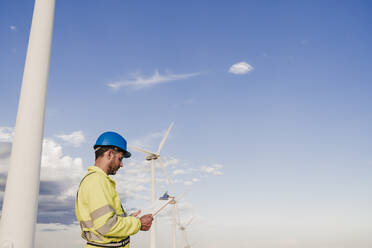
(279, 150)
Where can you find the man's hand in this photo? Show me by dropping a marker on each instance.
(146, 222)
(135, 214)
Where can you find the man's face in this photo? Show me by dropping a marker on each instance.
(115, 163)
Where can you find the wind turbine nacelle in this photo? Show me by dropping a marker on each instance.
(151, 157)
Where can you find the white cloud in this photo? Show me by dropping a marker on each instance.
(241, 68)
(178, 168)
(6, 134)
(6, 137)
(134, 180)
(190, 181)
(140, 81)
(12, 27)
(75, 138)
(59, 178)
(214, 169)
(58, 167)
(179, 172)
(170, 161)
(195, 179)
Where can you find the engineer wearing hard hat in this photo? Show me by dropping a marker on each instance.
(103, 221)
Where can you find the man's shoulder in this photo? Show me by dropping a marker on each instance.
(92, 177)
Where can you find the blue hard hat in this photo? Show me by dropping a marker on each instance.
(113, 139)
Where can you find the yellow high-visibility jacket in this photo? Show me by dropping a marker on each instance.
(99, 211)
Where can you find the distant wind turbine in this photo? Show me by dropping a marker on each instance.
(175, 217)
(182, 228)
(152, 156)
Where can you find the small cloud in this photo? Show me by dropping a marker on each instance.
(171, 161)
(188, 183)
(6, 134)
(241, 68)
(214, 169)
(53, 230)
(179, 172)
(52, 227)
(12, 27)
(141, 82)
(75, 138)
(5, 149)
(134, 181)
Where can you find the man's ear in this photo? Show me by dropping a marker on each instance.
(108, 154)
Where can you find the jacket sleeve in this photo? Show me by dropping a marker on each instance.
(100, 201)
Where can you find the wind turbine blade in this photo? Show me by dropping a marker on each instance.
(164, 139)
(164, 170)
(140, 149)
(183, 194)
(190, 221)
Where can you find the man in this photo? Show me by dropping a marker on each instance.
(103, 221)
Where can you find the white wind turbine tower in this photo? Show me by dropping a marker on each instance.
(151, 156)
(175, 215)
(19, 211)
(182, 228)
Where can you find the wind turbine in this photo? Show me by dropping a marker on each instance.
(182, 228)
(176, 217)
(152, 156)
(19, 211)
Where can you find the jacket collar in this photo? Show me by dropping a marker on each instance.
(94, 168)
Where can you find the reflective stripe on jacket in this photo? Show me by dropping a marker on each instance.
(99, 211)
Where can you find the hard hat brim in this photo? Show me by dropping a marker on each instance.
(126, 154)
